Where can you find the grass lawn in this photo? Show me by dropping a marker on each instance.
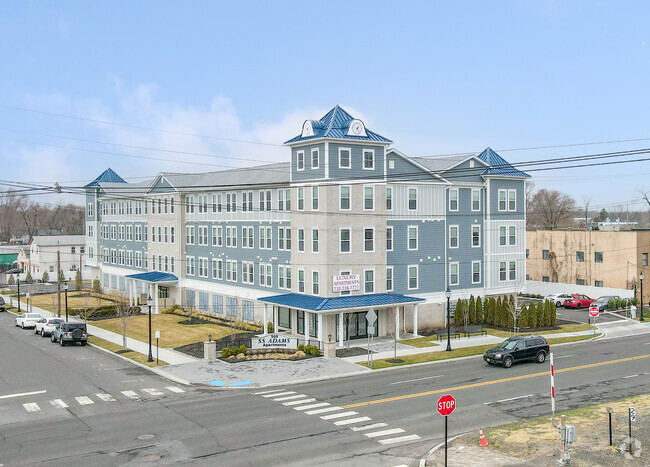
(135, 356)
(172, 334)
(456, 353)
(563, 328)
(424, 341)
(49, 301)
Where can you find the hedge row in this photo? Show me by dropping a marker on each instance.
(498, 312)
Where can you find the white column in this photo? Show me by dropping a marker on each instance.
(128, 286)
(306, 327)
(415, 321)
(319, 318)
(155, 298)
(264, 325)
(341, 329)
(396, 310)
(275, 319)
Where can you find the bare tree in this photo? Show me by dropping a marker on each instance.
(124, 311)
(10, 205)
(586, 201)
(529, 192)
(551, 208)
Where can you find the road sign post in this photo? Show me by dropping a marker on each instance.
(371, 318)
(157, 337)
(594, 312)
(446, 406)
(631, 418)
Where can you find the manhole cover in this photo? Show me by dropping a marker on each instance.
(151, 457)
(143, 437)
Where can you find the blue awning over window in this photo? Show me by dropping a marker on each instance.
(313, 303)
(154, 276)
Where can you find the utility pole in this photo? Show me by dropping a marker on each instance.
(58, 281)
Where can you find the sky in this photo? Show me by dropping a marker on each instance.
(151, 86)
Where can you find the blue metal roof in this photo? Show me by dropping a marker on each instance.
(153, 276)
(498, 165)
(311, 302)
(107, 176)
(335, 124)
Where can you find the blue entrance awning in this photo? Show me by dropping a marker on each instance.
(154, 276)
(314, 303)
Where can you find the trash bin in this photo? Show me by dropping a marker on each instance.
(633, 311)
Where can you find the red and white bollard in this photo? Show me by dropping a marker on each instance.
(552, 387)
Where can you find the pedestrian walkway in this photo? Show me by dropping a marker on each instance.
(170, 356)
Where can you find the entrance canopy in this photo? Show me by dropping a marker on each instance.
(313, 303)
(154, 276)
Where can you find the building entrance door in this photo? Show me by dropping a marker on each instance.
(356, 325)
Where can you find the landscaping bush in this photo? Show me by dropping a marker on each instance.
(225, 352)
(301, 347)
(269, 327)
(314, 351)
(97, 286)
(479, 311)
(234, 350)
(172, 309)
(242, 349)
(523, 316)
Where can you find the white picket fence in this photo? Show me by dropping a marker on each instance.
(546, 288)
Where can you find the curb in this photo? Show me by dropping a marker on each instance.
(423, 460)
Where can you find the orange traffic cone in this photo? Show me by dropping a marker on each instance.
(483, 441)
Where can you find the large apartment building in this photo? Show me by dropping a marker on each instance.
(349, 224)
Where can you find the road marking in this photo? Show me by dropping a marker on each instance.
(20, 394)
(368, 427)
(377, 434)
(283, 393)
(58, 403)
(130, 394)
(417, 379)
(350, 421)
(152, 391)
(496, 381)
(647, 343)
(401, 439)
(174, 389)
(268, 392)
(301, 401)
(31, 407)
(325, 410)
(288, 398)
(84, 400)
(339, 415)
(515, 398)
(106, 397)
(241, 383)
(563, 356)
(630, 376)
(312, 406)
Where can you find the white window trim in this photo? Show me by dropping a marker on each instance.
(317, 197)
(457, 272)
(508, 235)
(299, 198)
(311, 240)
(472, 236)
(408, 276)
(349, 240)
(480, 273)
(408, 198)
(364, 197)
(317, 151)
(417, 238)
(304, 281)
(457, 236)
(316, 283)
(474, 190)
(506, 269)
(508, 201)
(350, 198)
(390, 189)
(374, 280)
(392, 238)
(499, 200)
(363, 159)
(304, 239)
(457, 199)
(392, 281)
(349, 166)
(374, 239)
(298, 154)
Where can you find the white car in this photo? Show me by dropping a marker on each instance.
(27, 320)
(558, 298)
(45, 326)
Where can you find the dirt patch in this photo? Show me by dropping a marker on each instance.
(351, 352)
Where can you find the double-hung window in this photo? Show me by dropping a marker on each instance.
(189, 235)
(502, 271)
(476, 200)
(453, 273)
(301, 199)
(344, 235)
(476, 236)
(344, 158)
(389, 198)
(512, 237)
(314, 240)
(389, 279)
(301, 280)
(503, 205)
(369, 239)
(369, 281)
(300, 164)
(314, 198)
(368, 198)
(476, 272)
(412, 237)
(344, 197)
(301, 240)
(453, 236)
(502, 236)
(314, 159)
(512, 270)
(413, 277)
(512, 200)
(315, 287)
(368, 159)
(389, 239)
(453, 199)
(413, 199)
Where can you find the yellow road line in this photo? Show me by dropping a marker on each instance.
(497, 381)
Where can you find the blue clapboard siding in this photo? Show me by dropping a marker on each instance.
(463, 173)
(356, 171)
(497, 184)
(465, 254)
(308, 173)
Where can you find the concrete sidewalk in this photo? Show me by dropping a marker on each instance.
(170, 356)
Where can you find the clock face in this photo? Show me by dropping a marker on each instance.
(356, 128)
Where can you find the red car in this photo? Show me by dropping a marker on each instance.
(578, 301)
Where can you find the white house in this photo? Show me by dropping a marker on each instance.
(41, 255)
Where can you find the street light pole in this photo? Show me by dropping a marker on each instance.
(65, 288)
(641, 281)
(149, 302)
(448, 294)
(18, 282)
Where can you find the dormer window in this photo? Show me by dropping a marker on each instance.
(357, 128)
(307, 129)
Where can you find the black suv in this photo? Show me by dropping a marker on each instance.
(516, 349)
(70, 332)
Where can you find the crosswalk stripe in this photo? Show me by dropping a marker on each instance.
(376, 434)
(268, 392)
(301, 401)
(58, 403)
(130, 394)
(106, 397)
(283, 393)
(84, 400)
(338, 415)
(152, 391)
(400, 439)
(350, 421)
(31, 407)
(325, 410)
(287, 398)
(368, 427)
(312, 406)
(174, 389)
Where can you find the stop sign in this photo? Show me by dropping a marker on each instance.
(446, 405)
(593, 311)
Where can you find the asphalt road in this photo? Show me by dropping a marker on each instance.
(203, 426)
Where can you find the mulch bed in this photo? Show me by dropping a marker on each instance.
(352, 352)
